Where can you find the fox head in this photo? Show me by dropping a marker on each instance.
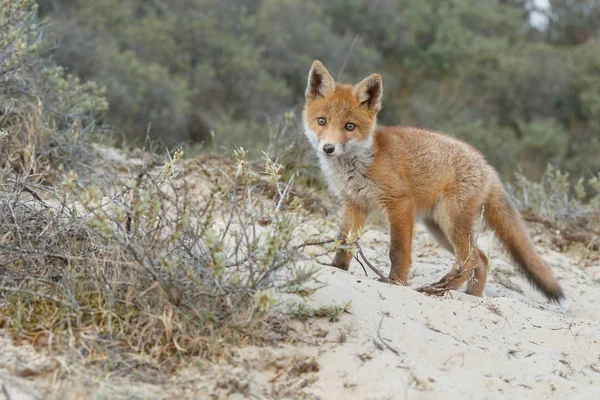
(338, 118)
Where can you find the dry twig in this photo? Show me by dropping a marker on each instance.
(381, 339)
(381, 276)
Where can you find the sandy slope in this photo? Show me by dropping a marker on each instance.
(508, 344)
(394, 344)
(400, 343)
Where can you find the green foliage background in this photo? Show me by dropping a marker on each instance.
(525, 94)
(46, 114)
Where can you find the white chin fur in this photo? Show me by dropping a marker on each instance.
(346, 170)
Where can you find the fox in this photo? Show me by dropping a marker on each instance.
(413, 174)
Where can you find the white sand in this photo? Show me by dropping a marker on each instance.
(511, 344)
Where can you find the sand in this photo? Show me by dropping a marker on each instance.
(394, 343)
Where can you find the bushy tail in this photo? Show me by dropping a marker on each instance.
(503, 217)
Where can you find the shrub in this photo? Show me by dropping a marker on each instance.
(555, 197)
(164, 266)
(46, 116)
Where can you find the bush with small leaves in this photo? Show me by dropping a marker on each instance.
(556, 198)
(151, 266)
(46, 115)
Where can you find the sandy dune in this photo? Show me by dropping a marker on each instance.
(394, 343)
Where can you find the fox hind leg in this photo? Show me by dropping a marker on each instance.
(453, 224)
(476, 284)
(439, 235)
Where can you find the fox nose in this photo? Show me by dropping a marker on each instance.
(328, 148)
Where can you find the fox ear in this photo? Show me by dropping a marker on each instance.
(320, 81)
(369, 91)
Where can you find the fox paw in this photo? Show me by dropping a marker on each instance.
(441, 287)
(394, 281)
(340, 262)
(437, 288)
(451, 281)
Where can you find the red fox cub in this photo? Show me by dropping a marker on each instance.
(413, 173)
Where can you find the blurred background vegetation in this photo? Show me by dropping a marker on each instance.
(119, 256)
(519, 79)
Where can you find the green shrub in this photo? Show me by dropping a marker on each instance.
(555, 197)
(159, 265)
(46, 116)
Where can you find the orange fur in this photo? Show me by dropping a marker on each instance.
(413, 173)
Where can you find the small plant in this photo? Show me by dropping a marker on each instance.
(286, 139)
(46, 115)
(154, 266)
(557, 198)
(332, 312)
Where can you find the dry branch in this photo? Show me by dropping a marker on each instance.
(381, 276)
(381, 339)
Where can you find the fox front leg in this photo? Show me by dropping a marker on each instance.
(400, 215)
(353, 220)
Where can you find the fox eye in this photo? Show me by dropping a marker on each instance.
(321, 121)
(349, 126)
